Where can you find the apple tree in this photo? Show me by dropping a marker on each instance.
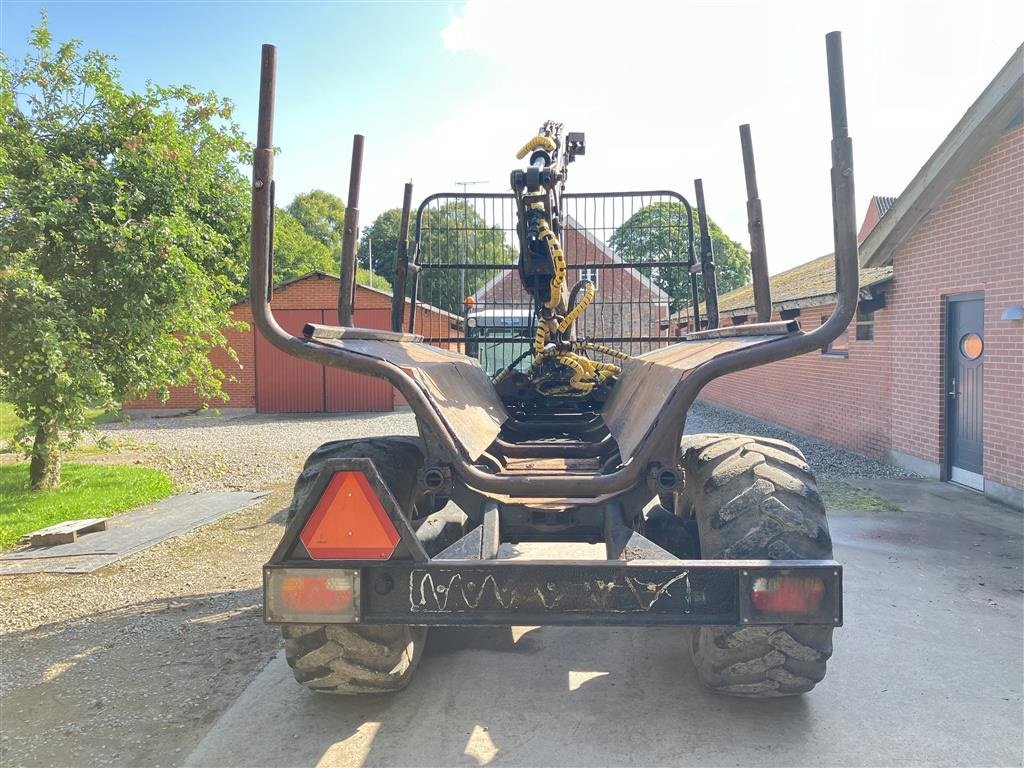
(124, 217)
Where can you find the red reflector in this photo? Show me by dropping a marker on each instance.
(316, 594)
(349, 522)
(787, 594)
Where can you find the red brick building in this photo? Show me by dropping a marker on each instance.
(931, 375)
(269, 381)
(627, 304)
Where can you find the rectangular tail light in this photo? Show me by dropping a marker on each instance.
(778, 594)
(312, 596)
(787, 594)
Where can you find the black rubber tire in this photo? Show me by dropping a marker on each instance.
(358, 658)
(753, 498)
(352, 659)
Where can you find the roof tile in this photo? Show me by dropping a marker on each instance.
(813, 279)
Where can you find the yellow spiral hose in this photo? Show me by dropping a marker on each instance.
(588, 296)
(586, 373)
(537, 142)
(558, 257)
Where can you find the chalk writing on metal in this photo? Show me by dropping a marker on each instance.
(449, 592)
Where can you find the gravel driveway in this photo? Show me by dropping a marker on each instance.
(245, 452)
(256, 452)
(828, 460)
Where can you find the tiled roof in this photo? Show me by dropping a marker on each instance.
(814, 279)
(318, 275)
(883, 204)
(570, 223)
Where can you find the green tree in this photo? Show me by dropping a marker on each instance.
(322, 215)
(383, 234)
(296, 252)
(125, 219)
(363, 277)
(660, 231)
(454, 235)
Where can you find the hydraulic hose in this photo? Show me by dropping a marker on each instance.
(537, 142)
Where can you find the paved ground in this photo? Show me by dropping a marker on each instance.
(130, 665)
(136, 664)
(927, 670)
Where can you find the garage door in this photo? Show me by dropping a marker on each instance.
(348, 392)
(285, 384)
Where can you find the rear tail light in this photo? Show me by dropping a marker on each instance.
(328, 596)
(787, 594)
(349, 522)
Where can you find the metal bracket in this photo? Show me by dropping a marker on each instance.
(662, 479)
(479, 544)
(623, 543)
(436, 479)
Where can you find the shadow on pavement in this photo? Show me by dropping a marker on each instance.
(532, 696)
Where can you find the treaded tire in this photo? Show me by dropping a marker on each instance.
(753, 498)
(358, 658)
(353, 658)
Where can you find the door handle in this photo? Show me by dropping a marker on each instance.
(953, 385)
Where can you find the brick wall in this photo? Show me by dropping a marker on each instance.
(239, 382)
(889, 392)
(842, 400)
(972, 241)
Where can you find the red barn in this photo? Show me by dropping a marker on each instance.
(268, 380)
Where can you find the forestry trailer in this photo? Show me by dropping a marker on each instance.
(550, 371)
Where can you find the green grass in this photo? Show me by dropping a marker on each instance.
(9, 422)
(841, 496)
(87, 490)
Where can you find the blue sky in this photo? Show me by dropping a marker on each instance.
(439, 89)
(343, 68)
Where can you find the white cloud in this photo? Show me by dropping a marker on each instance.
(660, 89)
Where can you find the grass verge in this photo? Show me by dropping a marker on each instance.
(87, 490)
(9, 422)
(841, 496)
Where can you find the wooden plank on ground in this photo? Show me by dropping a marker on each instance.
(65, 532)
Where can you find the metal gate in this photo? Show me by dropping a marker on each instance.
(285, 384)
(636, 247)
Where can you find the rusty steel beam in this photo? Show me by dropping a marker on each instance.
(401, 262)
(707, 259)
(755, 226)
(347, 289)
(261, 242)
(659, 442)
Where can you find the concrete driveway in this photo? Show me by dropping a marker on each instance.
(927, 670)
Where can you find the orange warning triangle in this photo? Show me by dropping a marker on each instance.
(349, 522)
